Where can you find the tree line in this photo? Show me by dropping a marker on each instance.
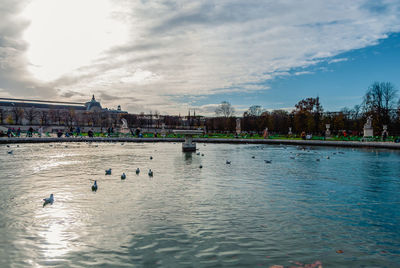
(380, 101)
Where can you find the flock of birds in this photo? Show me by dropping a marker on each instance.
(94, 187)
(50, 200)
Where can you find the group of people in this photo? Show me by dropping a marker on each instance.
(11, 132)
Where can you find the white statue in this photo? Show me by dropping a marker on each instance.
(368, 130)
(368, 124)
(124, 127)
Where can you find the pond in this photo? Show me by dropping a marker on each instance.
(272, 205)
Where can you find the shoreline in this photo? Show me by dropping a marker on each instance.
(352, 144)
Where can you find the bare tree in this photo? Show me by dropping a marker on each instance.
(18, 114)
(104, 120)
(70, 116)
(55, 116)
(31, 114)
(44, 117)
(254, 110)
(379, 100)
(225, 109)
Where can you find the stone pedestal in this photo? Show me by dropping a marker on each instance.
(188, 145)
(368, 132)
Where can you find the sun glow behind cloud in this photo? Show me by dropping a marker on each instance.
(66, 34)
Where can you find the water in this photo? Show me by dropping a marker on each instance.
(246, 214)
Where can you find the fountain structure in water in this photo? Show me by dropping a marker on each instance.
(188, 145)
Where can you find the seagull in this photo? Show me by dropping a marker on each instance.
(268, 161)
(228, 162)
(150, 173)
(137, 171)
(48, 200)
(123, 176)
(108, 171)
(94, 186)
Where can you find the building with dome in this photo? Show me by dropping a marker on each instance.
(93, 105)
(49, 113)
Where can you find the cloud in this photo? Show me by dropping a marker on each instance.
(337, 60)
(69, 93)
(198, 48)
(15, 80)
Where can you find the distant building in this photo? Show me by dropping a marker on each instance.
(38, 112)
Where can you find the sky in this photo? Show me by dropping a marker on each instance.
(171, 56)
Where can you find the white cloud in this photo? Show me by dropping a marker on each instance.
(338, 60)
(168, 49)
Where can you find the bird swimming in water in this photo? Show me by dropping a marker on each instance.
(94, 186)
(200, 166)
(268, 161)
(228, 162)
(123, 176)
(10, 152)
(150, 173)
(202, 154)
(137, 171)
(197, 153)
(253, 157)
(8, 146)
(151, 157)
(48, 200)
(108, 171)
